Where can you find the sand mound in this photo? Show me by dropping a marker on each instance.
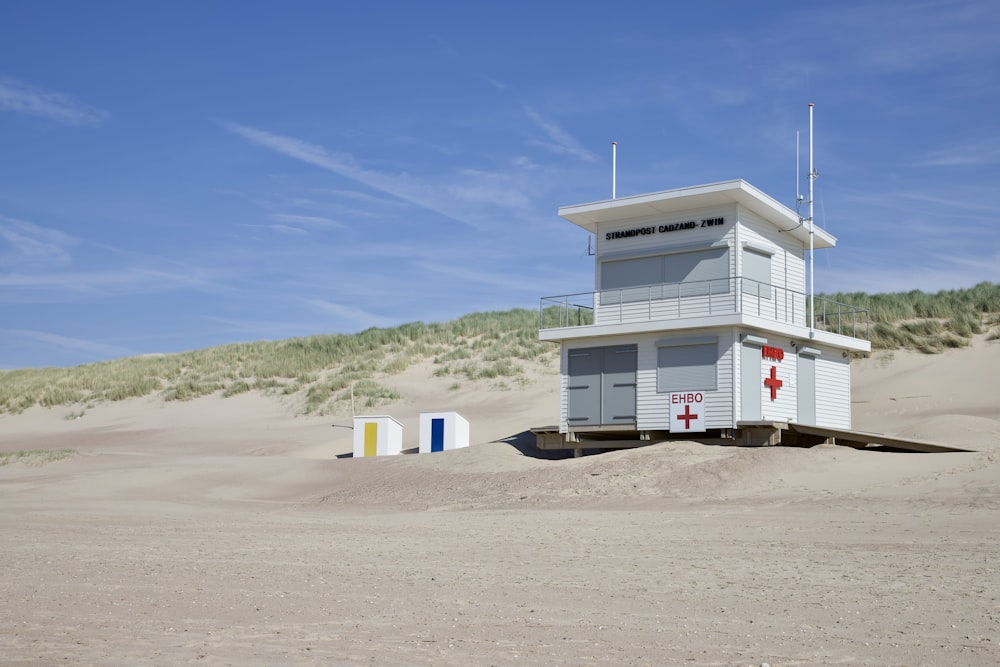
(977, 433)
(893, 390)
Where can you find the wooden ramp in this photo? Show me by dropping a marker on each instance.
(862, 440)
(747, 433)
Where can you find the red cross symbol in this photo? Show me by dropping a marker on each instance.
(773, 382)
(687, 417)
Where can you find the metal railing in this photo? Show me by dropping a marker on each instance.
(678, 301)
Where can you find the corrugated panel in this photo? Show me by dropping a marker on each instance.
(833, 390)
(696, 266)
(631, 272)
(757, 273)
(687, 367)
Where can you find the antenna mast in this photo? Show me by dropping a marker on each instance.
(614, 168)
(812, 224)
(798, 193)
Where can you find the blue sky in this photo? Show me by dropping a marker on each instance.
(179, 175)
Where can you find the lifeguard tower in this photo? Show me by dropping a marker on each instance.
(700, 325)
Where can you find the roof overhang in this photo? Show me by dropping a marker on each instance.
(589, 216)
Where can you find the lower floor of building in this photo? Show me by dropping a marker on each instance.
(698, 381)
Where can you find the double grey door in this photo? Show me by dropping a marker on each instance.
(602, 385)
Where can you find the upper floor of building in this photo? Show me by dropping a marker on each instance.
(723, 254)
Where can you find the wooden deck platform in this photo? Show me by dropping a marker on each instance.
(747, 434)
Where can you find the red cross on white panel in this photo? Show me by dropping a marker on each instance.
(773, 383)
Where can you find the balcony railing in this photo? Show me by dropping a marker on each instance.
(679, 301)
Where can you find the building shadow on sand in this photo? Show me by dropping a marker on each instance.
(524, 442)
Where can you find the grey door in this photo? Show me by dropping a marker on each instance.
(601, 386)
(751, 383)
(584, 391)
(807, 389)
(618, 385)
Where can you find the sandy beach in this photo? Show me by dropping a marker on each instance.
(231, 532)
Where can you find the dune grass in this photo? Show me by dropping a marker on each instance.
(929, 322)
(318, 371)
(35, 457)
(321, 372)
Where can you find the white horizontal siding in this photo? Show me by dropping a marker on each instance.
(653, 409)
(788, 264)
(785, 406)
(663, 309)
(833, 390)
(563, 389)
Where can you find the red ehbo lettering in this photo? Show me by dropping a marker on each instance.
(769, 352)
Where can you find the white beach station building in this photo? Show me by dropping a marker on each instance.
(700, 323)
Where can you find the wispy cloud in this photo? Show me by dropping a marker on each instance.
(124, 281)
(101, 350)
(510, 284)
(22, 98)
(561, 141)
(401, 186)
(281, 229)
(34, 242)
(349, 316)
(496, 83)
(470, 196)
(307, 220)
(965, 155)
(487, 188)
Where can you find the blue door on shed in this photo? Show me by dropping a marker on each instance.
(437, 435)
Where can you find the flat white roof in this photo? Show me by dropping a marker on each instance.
(737, 191)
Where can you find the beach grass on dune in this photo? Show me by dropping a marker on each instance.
(35, 457)
(325, 372)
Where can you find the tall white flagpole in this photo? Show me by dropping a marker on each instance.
(812, 224)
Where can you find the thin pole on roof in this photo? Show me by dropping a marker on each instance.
(798, 176)
(614, 168)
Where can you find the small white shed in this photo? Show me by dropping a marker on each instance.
(378, 435)
(440, 431)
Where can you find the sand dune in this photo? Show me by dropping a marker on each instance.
(232, 532)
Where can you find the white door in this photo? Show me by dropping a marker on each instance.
(751, 383)
(807, 389)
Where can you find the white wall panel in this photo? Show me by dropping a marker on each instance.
(653, 407)
(833, 390)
